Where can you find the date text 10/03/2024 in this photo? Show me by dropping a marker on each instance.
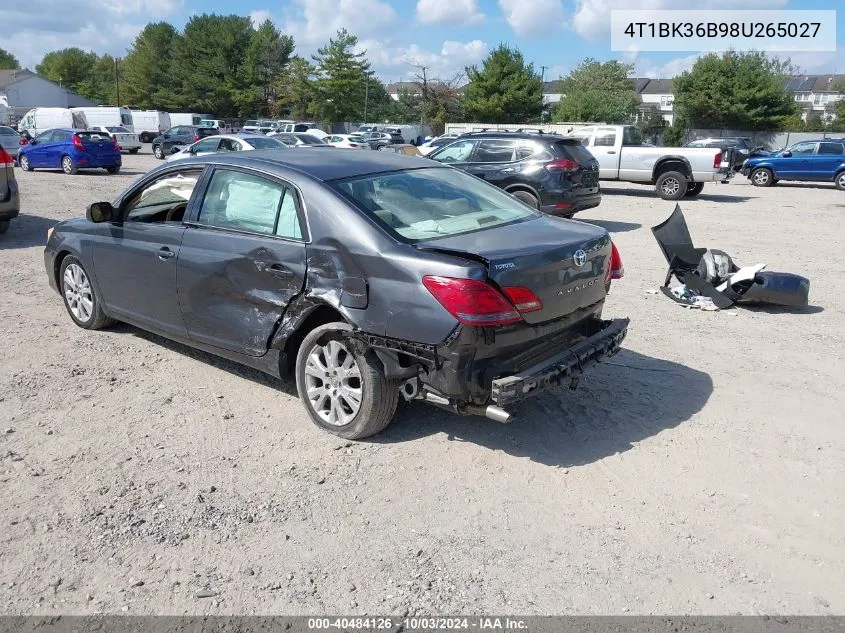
(418, 624)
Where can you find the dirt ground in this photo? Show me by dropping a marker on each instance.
(701, 471)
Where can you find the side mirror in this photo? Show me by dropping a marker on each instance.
(786, 153)
(192, 151)
(100, 212)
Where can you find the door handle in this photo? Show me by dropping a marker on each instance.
(165, 253)
(277, 270)
(508, 170)
(611, 151)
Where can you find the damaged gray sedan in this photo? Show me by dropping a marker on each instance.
(368, 276)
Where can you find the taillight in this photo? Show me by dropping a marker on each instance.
(615, 270)
(717, 160)
(471, 302)
(523, 298)
(77, 142)
(563, 164)
(23, 141)
(6, 158)
(196, 138)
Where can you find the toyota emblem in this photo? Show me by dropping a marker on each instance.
(580, 257)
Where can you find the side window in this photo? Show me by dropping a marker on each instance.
(830, 148)
(605, 137)
(229, 145)
(207, 145)
(631, 136)
(495, 151)
(534, 151)
(244, 202)
(44, 137)
(457, 152)
(803, 149)
(58, 136)
(163, 200)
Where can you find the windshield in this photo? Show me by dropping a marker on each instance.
(7, 131)
(424, 204)
(118, 130)
(251, 123)
(310, 140)
(266, 143)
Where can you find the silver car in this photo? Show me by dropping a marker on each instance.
(227, 143)
(10, 140)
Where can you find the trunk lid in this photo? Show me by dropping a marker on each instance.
(97, 143)
(539, 254)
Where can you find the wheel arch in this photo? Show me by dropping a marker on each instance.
(523, 187)
(302, 316)
(672, 163)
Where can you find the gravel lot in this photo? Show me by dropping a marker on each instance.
(701, 471)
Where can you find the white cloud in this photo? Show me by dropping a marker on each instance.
(259, 17)
(449, 12)
(674, 67)
(313, 22)
(592, 17)
(31, 29)
(555, 72)
(394, 62)
(533, 17)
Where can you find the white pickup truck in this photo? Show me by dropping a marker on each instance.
(675, 172)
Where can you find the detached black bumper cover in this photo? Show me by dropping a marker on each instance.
(569, 364)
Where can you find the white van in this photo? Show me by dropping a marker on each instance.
(185, 118)
(39, 119)
(150, 123)
(108, 116)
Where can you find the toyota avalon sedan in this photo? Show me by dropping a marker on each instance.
(367, 276)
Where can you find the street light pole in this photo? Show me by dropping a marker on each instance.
(366, 94)
(116, 83)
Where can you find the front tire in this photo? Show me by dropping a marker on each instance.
(23, 161)
(344, 391)
(671, 185)
(840, 181)
(68, 166)
(158, 152)
(762, 177)
(81, 301)
(693, 189)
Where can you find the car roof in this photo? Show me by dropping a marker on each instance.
(517, 135)
(344, 164)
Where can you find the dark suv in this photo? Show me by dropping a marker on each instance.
(741, 147)
(178, 137)
(552, 173)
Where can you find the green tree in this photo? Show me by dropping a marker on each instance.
(744, 91)
(267, 56)
(380, 105)
(597, 91)
(8, 61)
(71, 67)
(294, 90)
(100, 85)
(504, 90)
(814, 123)
(208, 62)
(651, 123)
(673, 135)
(149, 80)
(341, 77)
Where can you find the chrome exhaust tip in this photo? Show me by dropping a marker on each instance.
(498, 414)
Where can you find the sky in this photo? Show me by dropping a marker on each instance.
(444, 35)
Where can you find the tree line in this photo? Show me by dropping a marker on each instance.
(227, 66)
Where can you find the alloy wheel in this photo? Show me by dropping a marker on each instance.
(67, 164)
(761, 177)
(333, 383)
(841, 181)
(77, 290)
(671, 187)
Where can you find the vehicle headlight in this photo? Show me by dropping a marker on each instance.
(50, 233)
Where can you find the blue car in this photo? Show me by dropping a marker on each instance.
(70, 151)
(814, 161)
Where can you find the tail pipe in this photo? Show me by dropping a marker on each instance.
(497, 414)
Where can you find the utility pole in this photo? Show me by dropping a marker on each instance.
(116, 83)
(543, 73)
(366, 94)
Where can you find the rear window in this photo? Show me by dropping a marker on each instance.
(830, 148)
(426, 204)
(310, 140)
(118, 130)
(266, 143)
(126, 119)
(575, 151)
(206, 131)
(93, 135)
(251, 123)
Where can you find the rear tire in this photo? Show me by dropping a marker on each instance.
(68, 166)
(134, 151)
(671, 185)
(81, 301)
(4, 226)
(529, 199)
(693, 189)
(113, 170)
(840, 181)
(762, 177)
(344, 392)
(158, 152)
(23, 161)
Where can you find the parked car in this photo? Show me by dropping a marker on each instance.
(148, 124)
(185, 118)
(220, 124)
(741, 147)
(10, 201)
(366, 277)
(179, 137)
(107, 117)
(552, 173)
(435, 143)
(11, 140)
(299, 139)
(815, 161)
(37, 120)
(127, 140)
(378, 140)
(227, 143)
(673, 171)
(71, 150)
(251, 126)
(347, 141)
